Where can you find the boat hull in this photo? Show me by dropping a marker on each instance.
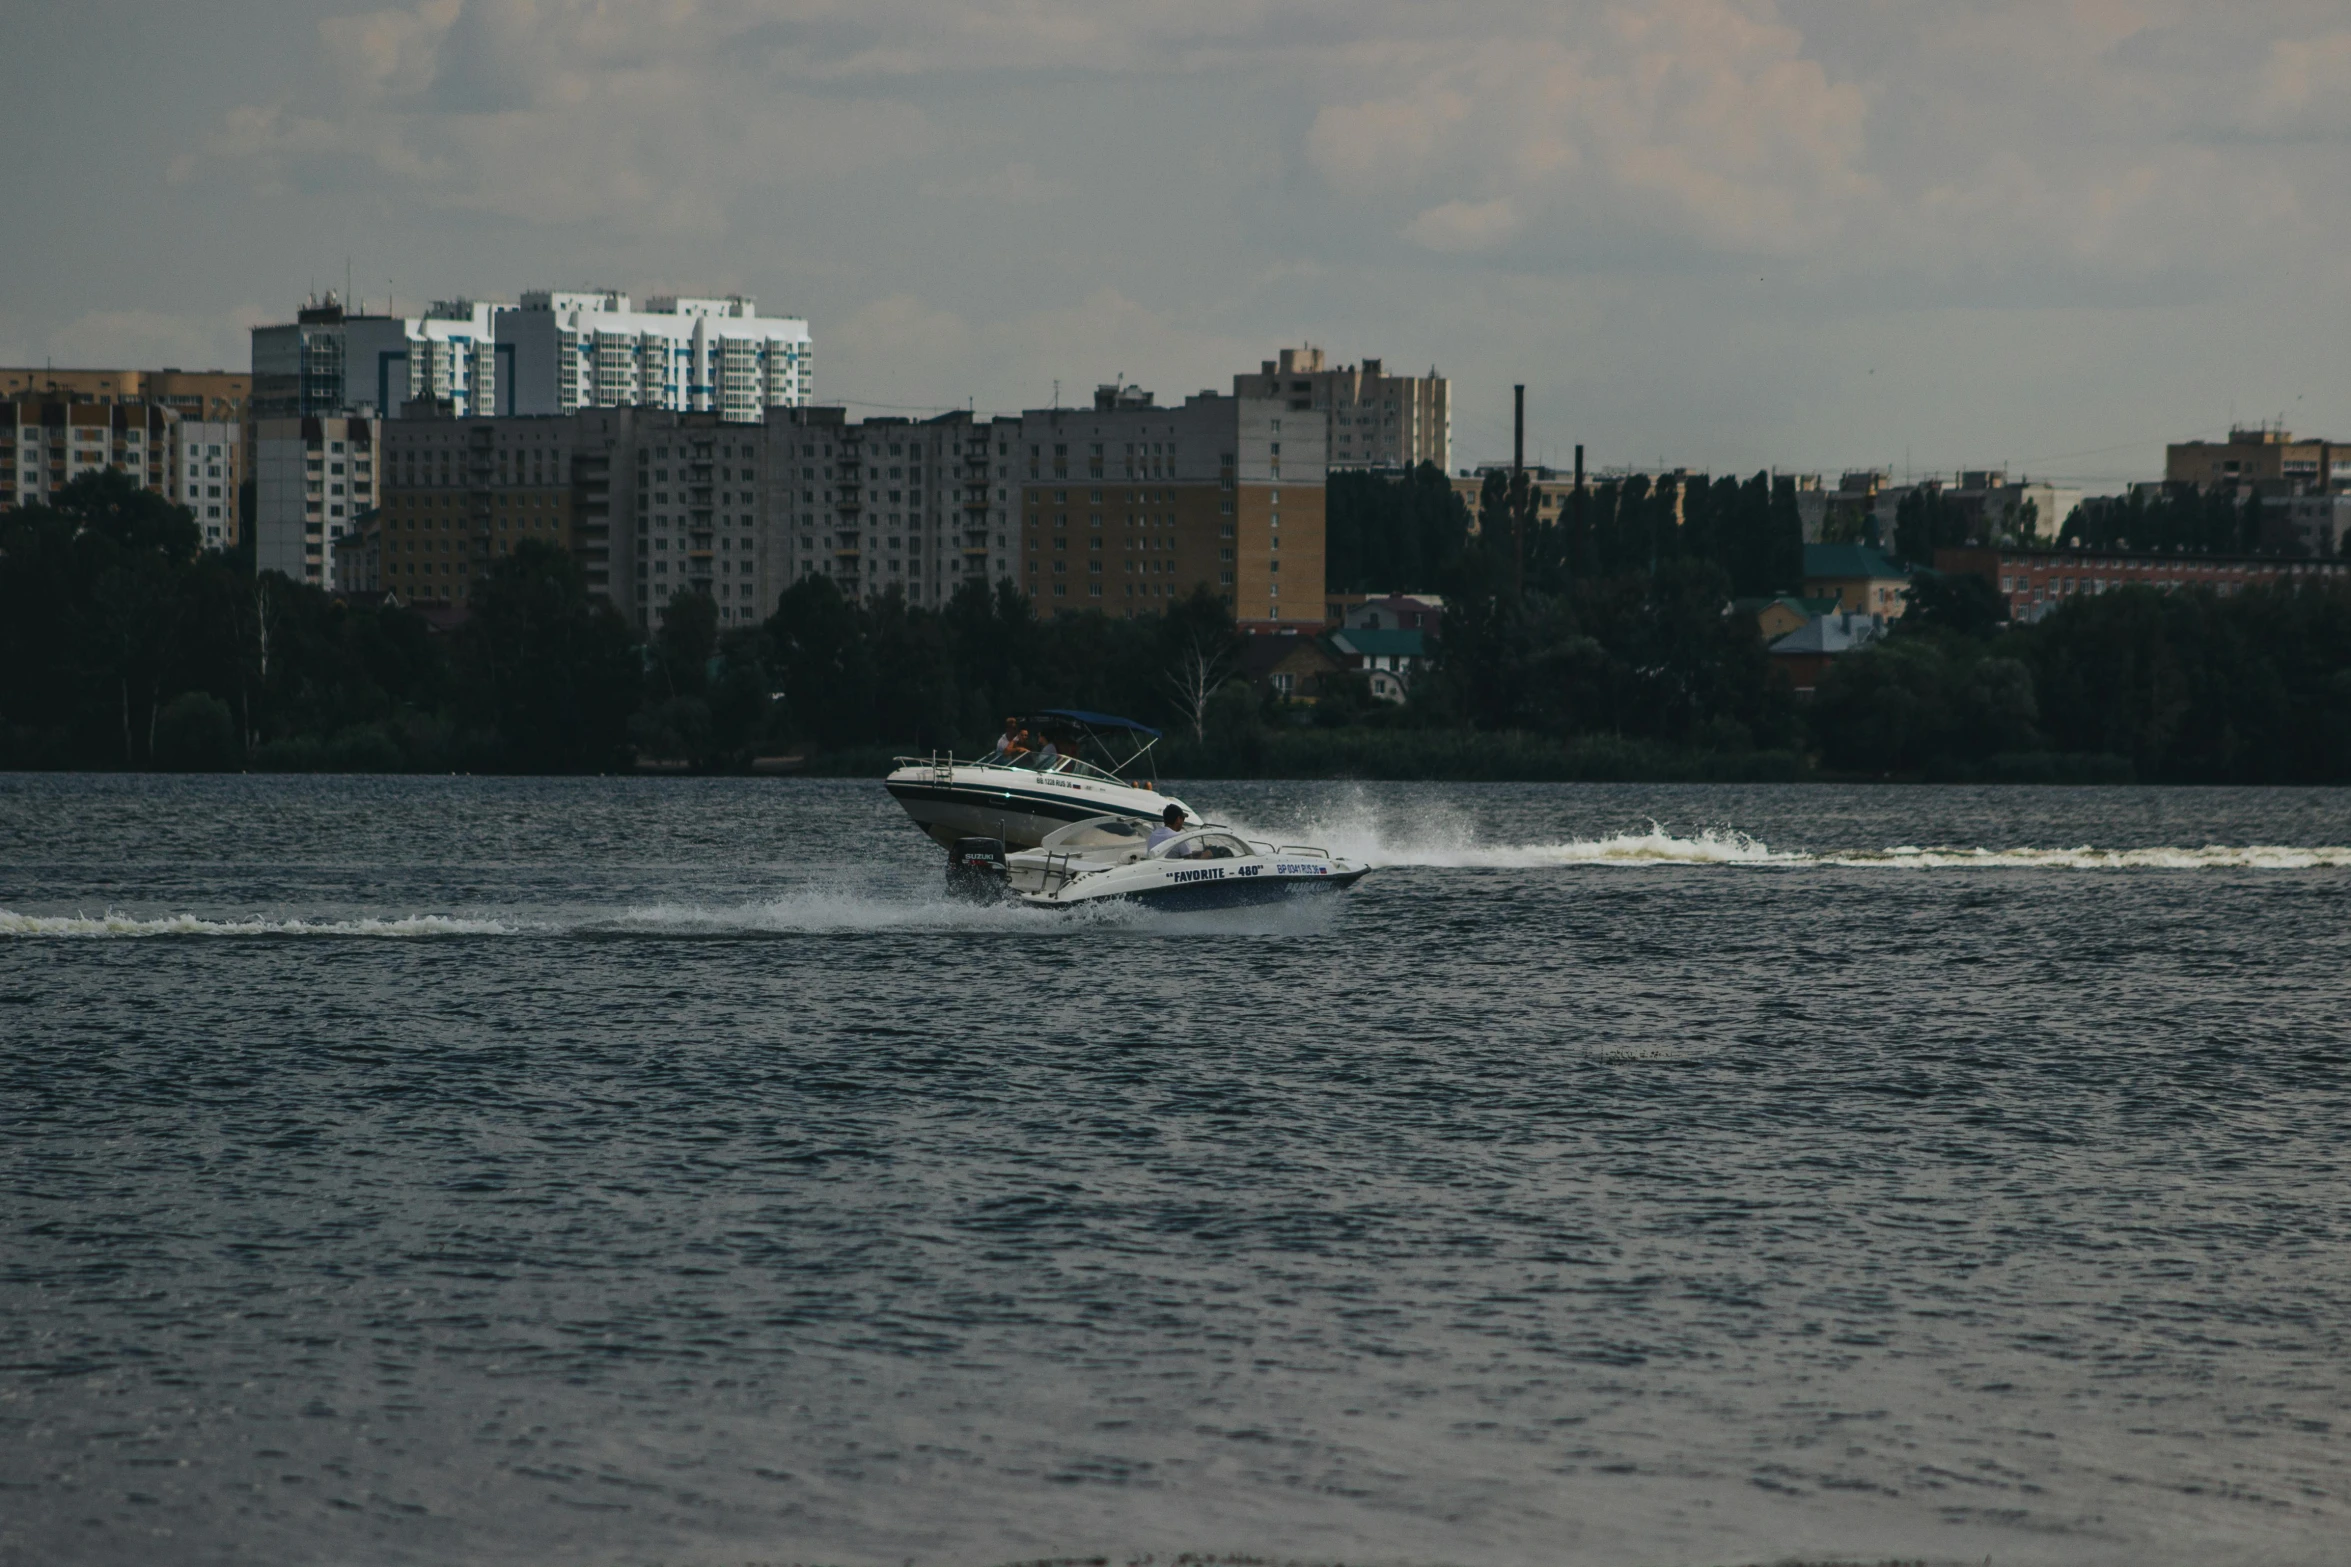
(975, 804)
(1202, 891)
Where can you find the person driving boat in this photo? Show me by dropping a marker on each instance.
(1171, 822)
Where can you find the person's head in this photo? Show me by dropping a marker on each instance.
(1173, 816)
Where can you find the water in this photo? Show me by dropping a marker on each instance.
(454, 1170)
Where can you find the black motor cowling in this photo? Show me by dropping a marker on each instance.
(975, 868)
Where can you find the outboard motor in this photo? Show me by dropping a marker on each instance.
(975, 869)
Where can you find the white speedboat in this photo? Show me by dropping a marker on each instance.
(1108, 858)
(1019, 801)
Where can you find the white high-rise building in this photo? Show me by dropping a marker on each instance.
(329, 360)
(202, 474)
(569, 351)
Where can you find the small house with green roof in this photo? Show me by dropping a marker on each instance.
(1859, 577)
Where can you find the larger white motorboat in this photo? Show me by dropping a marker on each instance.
(1019, 800)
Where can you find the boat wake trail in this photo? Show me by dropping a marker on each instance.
(409, 927)
(809, 912)
(1442, 847)
(847, 911)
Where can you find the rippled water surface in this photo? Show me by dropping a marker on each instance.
(459, 1170)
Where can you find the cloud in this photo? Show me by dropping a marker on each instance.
(1464, 225)
(1015, 184)
(1699, 118)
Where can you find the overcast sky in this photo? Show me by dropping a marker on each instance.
(1810, 234)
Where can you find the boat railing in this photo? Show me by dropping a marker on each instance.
(1301, 849)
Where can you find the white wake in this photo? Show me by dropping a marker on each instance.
(848, 911)
(1443, 842)
(408, 927)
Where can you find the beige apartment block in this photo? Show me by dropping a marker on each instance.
(2262, 454)
(216, 395)
(1127, 506)
(1371, 419)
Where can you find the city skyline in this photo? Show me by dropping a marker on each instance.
(1731, 235)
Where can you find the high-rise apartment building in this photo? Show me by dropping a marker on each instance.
(923, 507)
(47, 444)
(331, 360)
(314, 478)
(1372, 419)
(690, 516)
(570, 351)
(457, 494)
(2266, 457)
(203, 467)
(1127, 505)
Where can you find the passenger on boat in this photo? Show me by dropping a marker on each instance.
(1008, 743)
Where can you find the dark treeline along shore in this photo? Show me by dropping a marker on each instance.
(1594, 645)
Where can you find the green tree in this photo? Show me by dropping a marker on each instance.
(552, 673)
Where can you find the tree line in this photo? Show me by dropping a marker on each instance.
(2183, 687)
(1607, 625)
(126, 645)
(1615, 621)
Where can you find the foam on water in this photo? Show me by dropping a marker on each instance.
(847, 910)
(116, 924)
(1446, 843)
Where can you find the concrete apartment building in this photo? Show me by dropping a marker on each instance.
(46, 445)
(216, 395)
(1127, 505)
(333, 360)
(2260, 455)
(196, 463)
(884, 503)
(459, 493)
(568, 351)
(314, 478)
(1372, 419)
(203, 470)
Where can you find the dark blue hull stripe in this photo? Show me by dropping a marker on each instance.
(1061, 807)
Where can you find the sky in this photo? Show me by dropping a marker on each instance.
(1802, 234)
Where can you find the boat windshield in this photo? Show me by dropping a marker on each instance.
(1203, 846)
(1098, 832)
(1069, 767)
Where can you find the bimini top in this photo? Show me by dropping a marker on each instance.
(1098, 721)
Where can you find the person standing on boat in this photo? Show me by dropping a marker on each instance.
(1171, 822)
(1008, 743)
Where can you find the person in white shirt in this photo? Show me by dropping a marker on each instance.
(1171, 822)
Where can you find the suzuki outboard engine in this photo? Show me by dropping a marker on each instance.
(975, 869)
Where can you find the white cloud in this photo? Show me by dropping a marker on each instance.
(1464, 225)
(1702, 118)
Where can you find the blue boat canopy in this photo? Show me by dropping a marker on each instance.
(1099, 721)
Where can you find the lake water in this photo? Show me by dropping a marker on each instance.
(633, 1171)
